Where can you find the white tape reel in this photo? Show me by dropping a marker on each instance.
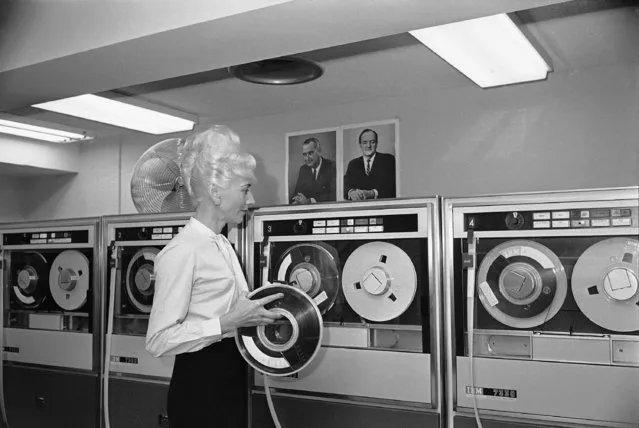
(605, 283)
(379, 281)
(69, 279)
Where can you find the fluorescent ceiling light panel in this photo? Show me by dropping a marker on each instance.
(490, 51)
(105, 110)
(39, 132)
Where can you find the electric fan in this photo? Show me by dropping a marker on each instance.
(157, 184)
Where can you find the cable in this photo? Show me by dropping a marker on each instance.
(471, 340)
(3, 409)
(109, 334)
(269, 400)
(470, 316)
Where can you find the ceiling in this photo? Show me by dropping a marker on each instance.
(572, 36)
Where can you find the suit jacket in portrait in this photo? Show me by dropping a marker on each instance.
(322, 188)
(381, 177)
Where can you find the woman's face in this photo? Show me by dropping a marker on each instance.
(235, 199)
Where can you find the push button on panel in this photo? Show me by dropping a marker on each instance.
(575, 214)
(600, 213)
(561, 214)
(622, 222)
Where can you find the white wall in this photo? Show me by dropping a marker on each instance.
(578, 130)
(91, 192)
(12, 197)
(574, 131)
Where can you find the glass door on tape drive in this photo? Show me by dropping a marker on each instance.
(48, 286)
(363, 269)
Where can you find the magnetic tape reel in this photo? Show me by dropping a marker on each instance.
(140, 279)
(522, 283)
(605, 283)
(289, 344)
(311, 267)
(31, 279)
(69, 279)
(379, 281)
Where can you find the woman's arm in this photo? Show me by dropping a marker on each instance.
(168, 332)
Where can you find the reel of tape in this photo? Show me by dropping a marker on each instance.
(606, 286)
(522, 283)
(30, 289)
(69, 279)
(312, 268)
(140, 279)
(288, 345)
(379, 281)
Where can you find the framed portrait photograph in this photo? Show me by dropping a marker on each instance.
(311, 172)
(370, 158)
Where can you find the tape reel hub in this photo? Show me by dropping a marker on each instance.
(307, 277)
(376, 281)
(282, 334)
(144, 279)
(520, 283)
(620, 284)
(67, 279)
(28, 279)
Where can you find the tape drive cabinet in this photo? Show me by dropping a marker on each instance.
(373, 270)
(131, 244)
(541, 297)
(49, 288)
(51, 337)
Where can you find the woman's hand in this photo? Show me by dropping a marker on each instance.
(249, 313)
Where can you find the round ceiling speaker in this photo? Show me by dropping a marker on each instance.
(278, 71)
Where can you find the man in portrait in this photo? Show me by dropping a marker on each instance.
(316, 178)
(372, 175)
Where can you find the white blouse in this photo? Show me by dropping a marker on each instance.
(197, 280)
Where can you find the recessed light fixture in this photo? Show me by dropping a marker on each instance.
(117, 113)
(287, 70)
(490, 51)
(40, 132)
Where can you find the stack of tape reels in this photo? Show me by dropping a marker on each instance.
(372, 271)
(542, 308)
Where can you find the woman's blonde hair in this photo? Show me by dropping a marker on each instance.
(213, 158)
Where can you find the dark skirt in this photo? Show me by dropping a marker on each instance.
(209, 388)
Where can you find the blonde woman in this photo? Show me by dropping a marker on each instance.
(200, 289)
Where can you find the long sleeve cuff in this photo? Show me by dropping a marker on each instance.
(212, 327)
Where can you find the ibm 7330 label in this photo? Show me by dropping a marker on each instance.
(494, 393)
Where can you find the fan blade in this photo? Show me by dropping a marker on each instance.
(178, 201)
(157, 173)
